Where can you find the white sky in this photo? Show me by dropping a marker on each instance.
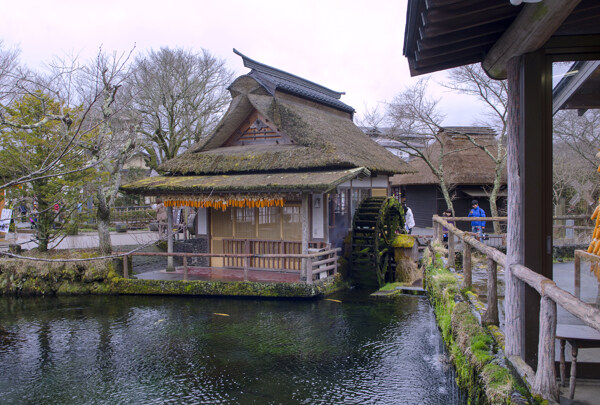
(351, 46)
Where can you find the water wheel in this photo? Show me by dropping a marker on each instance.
(373, 229)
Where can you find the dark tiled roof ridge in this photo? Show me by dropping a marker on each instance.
(261, 67)
(274, 79)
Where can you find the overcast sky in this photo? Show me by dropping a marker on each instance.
(351, 46)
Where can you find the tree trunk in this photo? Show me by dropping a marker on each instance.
(103, 222)
(494, 197)
(446, 195)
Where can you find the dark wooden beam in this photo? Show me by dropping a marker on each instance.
(495, 29)
(532, 28)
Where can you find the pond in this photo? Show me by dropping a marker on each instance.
(146, 349)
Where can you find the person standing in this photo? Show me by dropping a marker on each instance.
(447, 214)
(477, 226)
(409, 220)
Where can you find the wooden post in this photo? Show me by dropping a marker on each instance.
(577, 276)
(170, 266)
(467, 274)
(451, 250)
(435, 230)
(309, 272)
(185, 268)
(305, 230)
(514, 289)
(125, 266)
(545, 376)
(246, 259)
(491, 314)
(562, 362)
(573, 378)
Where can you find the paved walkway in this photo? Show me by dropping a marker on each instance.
(84, 240)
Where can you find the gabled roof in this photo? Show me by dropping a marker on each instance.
(463, 162)
(323, 138)
(273, 79)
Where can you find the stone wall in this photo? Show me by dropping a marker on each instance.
(195, 245)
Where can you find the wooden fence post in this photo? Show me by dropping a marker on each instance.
(185, 268)
(545, 376)
(170, 266)
(309, 272)
(491, 314)
(246, 259)
(435, 230)
(125, 266)
(577, 276)
(451, 250)
(467, 273)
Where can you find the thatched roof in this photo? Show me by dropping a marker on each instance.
(463, 162)
(322, 133)
(273, 182)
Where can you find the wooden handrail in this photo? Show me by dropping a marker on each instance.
(544, 380)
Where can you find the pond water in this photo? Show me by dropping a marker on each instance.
(145, 349)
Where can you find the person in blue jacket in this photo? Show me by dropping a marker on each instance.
(477, 211)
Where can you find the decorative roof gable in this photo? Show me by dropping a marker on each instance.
(257, 130)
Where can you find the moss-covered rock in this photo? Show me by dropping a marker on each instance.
(26, 277)
(476, 353)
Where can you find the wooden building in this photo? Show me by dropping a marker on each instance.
(468, 171)
(282, 173)
(524, 44)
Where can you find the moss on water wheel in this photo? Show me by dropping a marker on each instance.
(374, 227)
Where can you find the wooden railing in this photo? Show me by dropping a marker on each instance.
(543, 381)
(319, 264)
(277, 247)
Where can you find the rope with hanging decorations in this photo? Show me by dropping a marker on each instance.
(224, 202)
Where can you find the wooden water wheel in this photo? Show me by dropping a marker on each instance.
(373, 229)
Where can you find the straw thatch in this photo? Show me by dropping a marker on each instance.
(324, 138)
(463, 162)
(271, 182)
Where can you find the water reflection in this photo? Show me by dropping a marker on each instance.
(171, 349)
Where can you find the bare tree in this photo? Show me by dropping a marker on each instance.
(412, 113)
(576, 140)
(472, 80)
(115, 138)
(179, 96)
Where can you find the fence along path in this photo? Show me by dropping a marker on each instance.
(543, 381)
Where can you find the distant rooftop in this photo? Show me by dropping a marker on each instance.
(274, 79)
(482, 131)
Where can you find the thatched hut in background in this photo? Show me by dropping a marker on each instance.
(468, 170)
(283, 171)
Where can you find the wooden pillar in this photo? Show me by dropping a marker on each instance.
(125, 266)
(529, 166)
(545, 376)
(577, 276)
(467, 274)
(185, 268)
(246, 259)
(170, 266)
(305, 232)
(491, 314)
(451, 249)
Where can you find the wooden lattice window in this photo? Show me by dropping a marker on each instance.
(257, 130)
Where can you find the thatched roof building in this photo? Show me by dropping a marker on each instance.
(277, 123)
(463, 162)
(468, 170)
